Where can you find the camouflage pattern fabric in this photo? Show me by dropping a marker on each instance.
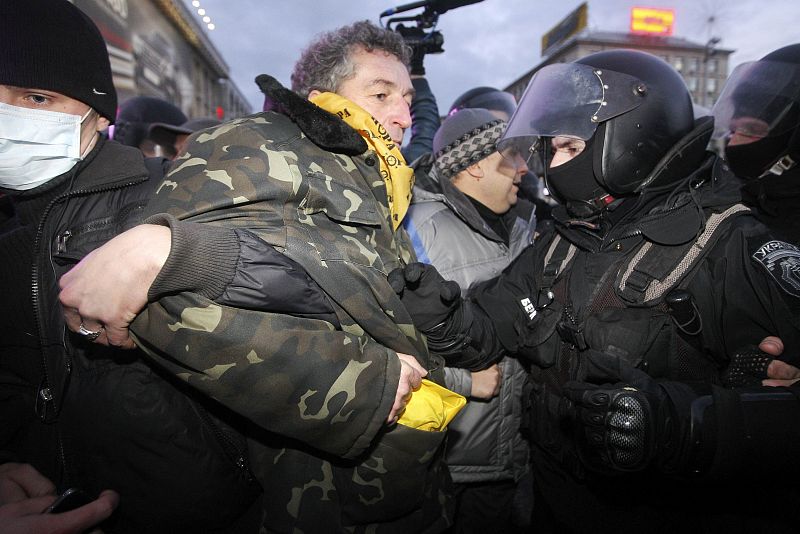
(315, 398)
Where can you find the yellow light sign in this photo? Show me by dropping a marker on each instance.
(652, 21)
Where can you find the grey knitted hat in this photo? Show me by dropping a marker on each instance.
(464, 138)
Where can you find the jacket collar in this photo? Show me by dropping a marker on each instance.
(440, 189)
(323, 128)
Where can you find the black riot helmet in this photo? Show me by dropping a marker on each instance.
(630, 107)
(757, 114)
(486, 98)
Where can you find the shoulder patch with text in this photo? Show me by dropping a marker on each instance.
(782, 261)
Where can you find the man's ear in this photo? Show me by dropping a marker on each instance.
(313, 93)
(475, 170)
(102, 123)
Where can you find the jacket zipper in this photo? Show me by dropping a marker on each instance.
(232, 449)
(45, 407)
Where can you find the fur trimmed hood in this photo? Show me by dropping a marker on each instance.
(325, 129)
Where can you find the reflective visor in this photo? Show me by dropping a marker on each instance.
(570, 99)
(760, 99)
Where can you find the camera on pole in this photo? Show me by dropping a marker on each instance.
(419, 31)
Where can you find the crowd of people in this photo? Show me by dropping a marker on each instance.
(290, 322)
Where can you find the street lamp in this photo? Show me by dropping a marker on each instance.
(708, 51)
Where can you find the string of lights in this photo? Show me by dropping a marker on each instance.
(202, 12)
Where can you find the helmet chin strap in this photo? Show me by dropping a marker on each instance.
(781, 166)
(788, 161)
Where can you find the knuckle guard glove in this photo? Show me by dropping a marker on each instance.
(626, 421)
(615, 427)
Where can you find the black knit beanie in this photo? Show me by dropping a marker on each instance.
(464, 138)
(53, 45)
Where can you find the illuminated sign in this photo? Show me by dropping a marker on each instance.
(652, 21)
(572, 24)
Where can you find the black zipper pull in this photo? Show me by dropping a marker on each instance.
(61, 242)
(45, 404)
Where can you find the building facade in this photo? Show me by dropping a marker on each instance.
(703, 66)
(158, 49)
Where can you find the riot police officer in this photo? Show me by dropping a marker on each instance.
(758, 118)
(630, 313)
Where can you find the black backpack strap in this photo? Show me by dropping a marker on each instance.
(559, 254)
(655, 269)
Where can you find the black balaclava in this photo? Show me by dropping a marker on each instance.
(574, 183)
(754, 160)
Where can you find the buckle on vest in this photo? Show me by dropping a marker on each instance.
(572, 334)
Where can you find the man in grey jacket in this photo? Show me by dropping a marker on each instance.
(470, 227)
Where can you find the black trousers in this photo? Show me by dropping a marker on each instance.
(483, 507)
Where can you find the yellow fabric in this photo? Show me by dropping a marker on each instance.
(398, 176)
(431, 407)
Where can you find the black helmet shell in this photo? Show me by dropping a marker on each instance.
(633, 142)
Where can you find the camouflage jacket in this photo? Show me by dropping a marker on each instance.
(312, 395)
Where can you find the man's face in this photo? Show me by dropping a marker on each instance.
(564, 148)
(498, 182)
(24, 97)
(745, 130)
(381, 85)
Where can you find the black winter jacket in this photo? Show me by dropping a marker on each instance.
(101, 418)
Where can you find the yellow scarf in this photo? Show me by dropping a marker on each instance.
(398, 177)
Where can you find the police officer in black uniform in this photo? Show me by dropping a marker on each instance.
(647, 413)
(758, 118)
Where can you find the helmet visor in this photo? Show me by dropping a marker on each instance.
(570, 99)
(760, 99)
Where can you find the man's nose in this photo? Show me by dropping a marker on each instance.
(403, 115)
(522, 166)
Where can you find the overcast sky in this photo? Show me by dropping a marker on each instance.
(493, 42)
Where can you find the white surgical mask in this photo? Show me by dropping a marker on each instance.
(37, 145)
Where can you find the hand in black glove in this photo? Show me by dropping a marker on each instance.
(623, 418)
(417, 66)
(430, 299)
(748, 367)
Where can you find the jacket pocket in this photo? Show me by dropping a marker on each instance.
(339, 202)
(394, 479)
(72, 243)
(537, 337)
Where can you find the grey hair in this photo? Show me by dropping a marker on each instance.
(326, 62)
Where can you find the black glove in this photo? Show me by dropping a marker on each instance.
(416, 65)
(430, 299)
(748, 367)
(437, 310)
(623, 419)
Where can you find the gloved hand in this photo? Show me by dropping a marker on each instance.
(430, 299)
(416, 65)
(438, 312)
(623, 419)
(748, 367)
